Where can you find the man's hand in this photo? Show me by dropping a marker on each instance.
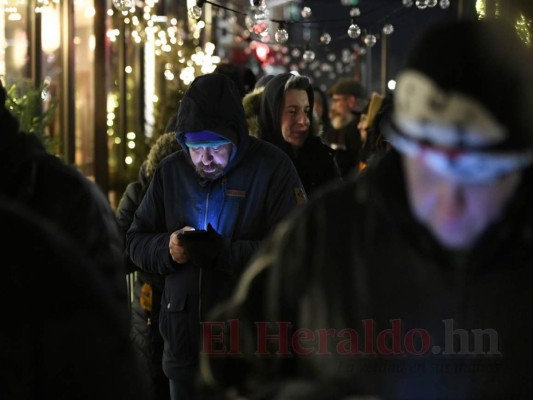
(206, 250)
(177, 252)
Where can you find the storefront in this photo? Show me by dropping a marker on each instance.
(107, 80)
(105, 76)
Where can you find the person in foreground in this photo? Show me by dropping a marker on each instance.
(205, 212)
(415, 281)
(65, 330)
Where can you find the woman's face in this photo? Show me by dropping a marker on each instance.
(295, 117)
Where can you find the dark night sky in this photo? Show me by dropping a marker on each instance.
(407, 22)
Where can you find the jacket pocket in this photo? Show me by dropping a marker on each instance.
(175, 327)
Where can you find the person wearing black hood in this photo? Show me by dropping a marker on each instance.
(206, 211)
(64, 292)
(414, 281)
(147, 288)
(286, 120)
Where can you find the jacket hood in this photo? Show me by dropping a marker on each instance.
(165, 145)
(269, 114)
(252, 104)
(212, 103)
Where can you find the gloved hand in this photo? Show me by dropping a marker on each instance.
(205, 249)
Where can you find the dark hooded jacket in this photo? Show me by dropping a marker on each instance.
(258, 188)
(62, 195)
(400, 317)
(315, 161)
(65, 334)
(148, 287)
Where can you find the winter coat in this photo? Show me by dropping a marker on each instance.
(144, 331)
(259, 188)
(74, 342)
(148, 287)
(399, 316)
(63, 196)
(64, 292)
(315, 161)
(348, 154)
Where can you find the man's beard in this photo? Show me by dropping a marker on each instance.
(340, 121)
(200, 170)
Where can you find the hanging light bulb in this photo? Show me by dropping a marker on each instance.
(370, 40)
(432, 3)
(325, 38)
(281, 34)
(388, 29)
(195, 12)
(308, 56)
(421, 4)
(306, 12)
(354, 31)
(355, 12)
(257, 20)
(123, 5)
(407, 3)
(444, 4)
(258, 4)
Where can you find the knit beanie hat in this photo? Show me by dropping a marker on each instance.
(212, 103)
(463, 102)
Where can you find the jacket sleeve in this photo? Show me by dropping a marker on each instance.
(148, 238)
(125, 211)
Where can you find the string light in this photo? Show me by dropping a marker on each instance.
(306, 13)
(325, 38)
(370, 40)
(388, 29)
(353, 30)
(195, 12)
(421, 4)
(281, 34)
(309, 55)
(257, 20)
(355, 12)
(124, 5)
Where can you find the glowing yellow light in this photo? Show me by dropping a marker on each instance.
(118, 140)
(50, 30)
(110, 132)
(128, 69)
(89, 12)
(14, 17)
(131, 135)
(128, 160)
(131, 145)
(523, 28)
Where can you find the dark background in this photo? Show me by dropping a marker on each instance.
(408, 23)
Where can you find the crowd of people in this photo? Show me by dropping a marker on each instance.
(290, 247)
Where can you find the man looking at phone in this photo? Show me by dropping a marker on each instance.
(207, 209)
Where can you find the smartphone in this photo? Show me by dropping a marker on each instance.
(196, 234)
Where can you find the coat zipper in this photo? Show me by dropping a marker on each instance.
(200, 274)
